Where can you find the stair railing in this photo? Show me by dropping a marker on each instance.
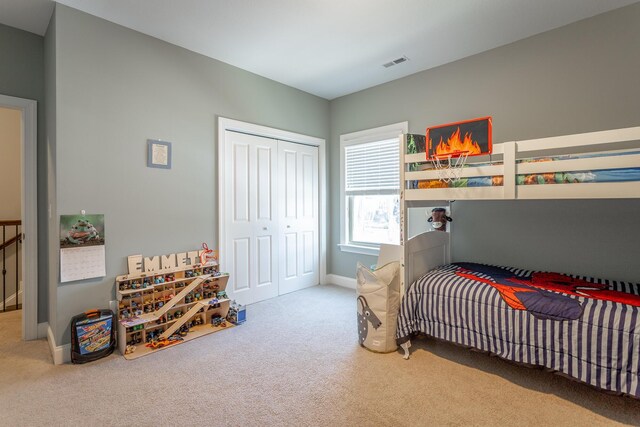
(16, 239)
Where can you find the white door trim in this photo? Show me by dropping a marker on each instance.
(29, 206)
(225, 124)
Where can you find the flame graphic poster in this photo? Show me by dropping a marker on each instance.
(470, 136)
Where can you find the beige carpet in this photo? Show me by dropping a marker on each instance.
(295, 362)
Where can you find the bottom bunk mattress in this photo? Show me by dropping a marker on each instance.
(588, 329)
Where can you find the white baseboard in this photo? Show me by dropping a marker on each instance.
(42, 329)
(62, 353)
(345, 282)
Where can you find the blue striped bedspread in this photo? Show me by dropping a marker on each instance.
(601, 347)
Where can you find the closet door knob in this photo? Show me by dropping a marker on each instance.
(264, 228)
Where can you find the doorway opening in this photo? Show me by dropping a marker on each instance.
(18, 215)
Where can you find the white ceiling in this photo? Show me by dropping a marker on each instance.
(328, 48)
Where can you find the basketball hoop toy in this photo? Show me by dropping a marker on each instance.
(457, 141)
(449, 165)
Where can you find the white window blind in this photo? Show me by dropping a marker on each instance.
(372, 167)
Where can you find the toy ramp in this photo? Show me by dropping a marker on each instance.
(152, 317)
(183, 293)
(184, 319)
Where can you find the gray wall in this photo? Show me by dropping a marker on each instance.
(51, 236)
(22, 76)
(586, 237)
(115, 89)
(579, 78)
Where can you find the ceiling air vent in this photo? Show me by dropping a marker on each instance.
(395, 62)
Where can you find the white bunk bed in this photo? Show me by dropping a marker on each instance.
(426, 261)
(608, 145)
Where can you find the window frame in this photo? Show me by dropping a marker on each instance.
(362, 137)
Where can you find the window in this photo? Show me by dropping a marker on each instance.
(370, 188)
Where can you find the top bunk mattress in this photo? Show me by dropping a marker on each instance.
(561, 177)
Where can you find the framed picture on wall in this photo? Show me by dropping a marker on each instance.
(158, 154)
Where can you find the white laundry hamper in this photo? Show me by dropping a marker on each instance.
(378, 304)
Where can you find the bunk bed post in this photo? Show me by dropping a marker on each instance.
(509, 162)
(403, 210)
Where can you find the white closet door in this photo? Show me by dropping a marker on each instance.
(298, 197)
(251, 227)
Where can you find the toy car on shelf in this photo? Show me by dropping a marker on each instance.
(217, 320)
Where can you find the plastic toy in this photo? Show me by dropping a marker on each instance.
(222, 295)
(439, 219)
(208, 255)
(232, 315)
(237, 313)
(160, 343)
(217, 320)
(136, 338)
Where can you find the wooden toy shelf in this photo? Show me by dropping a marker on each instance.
(159, 305)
